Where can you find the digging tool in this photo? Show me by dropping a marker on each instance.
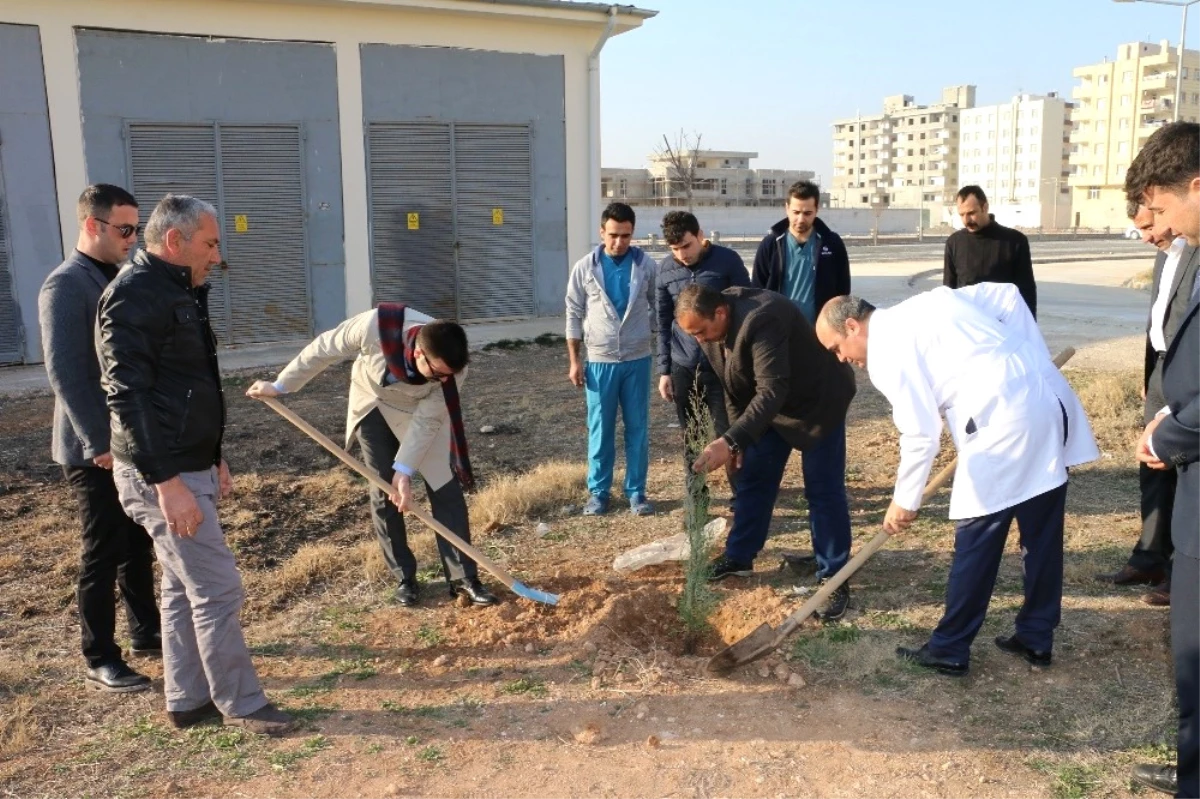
(765, 639)
(517, 587)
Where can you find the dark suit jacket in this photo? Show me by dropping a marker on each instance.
(1176, 440)
(67, 311)
(1181, 286)
(776, 373)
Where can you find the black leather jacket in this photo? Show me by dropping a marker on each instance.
(159, 370)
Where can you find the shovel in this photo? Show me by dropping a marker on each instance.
(765, 639)
(517, 587)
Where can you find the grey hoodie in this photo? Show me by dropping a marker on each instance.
(592, 317)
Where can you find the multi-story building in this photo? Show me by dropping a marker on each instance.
(905, 157)
(1017, 152)
(721, 178)
(1118, 105)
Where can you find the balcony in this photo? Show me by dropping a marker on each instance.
(1156, 104)
(1159, 80)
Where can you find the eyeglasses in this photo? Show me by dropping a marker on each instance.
(434, 373)
(126, 231)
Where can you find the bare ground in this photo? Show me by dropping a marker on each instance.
(595, 697)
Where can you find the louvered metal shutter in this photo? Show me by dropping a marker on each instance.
(494, 219)
(10, 320)
(179, 159)
(262, 216)
(412, 220)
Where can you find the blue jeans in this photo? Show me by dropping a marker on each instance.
(607, 386)
(824, 468)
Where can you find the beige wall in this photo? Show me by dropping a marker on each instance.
(347, 24)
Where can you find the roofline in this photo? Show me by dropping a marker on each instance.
(566, 10)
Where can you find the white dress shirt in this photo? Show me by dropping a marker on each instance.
(1158, 311)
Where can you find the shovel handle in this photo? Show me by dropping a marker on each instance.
(871, 547)
(379, 483)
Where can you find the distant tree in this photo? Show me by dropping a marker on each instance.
(680, 156)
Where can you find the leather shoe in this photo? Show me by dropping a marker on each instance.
(473, 590)
(148, 647)
(182, 719)
(1014, 646)
(408, 594)
(923, 657)
(1127, 575)
(1160, 595)
(1160, 778)
(116, 678)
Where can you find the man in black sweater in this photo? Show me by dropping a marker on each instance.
(985, 251)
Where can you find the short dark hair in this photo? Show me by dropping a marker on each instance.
(1131, 208)
(972, 191)
(100, 198)
(696, 298)
(618, 212)
(840, 309)
(804, 190)
(445, 341)
(1170, 160)
(677, 224)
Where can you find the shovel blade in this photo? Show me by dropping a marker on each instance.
(545, 597)
(757, 644)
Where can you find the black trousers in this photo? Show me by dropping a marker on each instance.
(379, 445)
(1185, 647)
(691, 386)
(1154, 549)
(116, 551)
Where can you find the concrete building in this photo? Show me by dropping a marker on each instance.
(1118, 104)
(722, 178)
(1017, 152)
(442, 152)
(905, 157)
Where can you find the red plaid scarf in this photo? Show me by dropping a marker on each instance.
(400, 351)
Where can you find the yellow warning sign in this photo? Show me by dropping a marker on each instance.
(414, 221)
(497, 216)
(241, 223)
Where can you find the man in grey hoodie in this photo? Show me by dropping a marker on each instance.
(610, 302)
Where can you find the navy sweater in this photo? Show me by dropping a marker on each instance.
(718, 268)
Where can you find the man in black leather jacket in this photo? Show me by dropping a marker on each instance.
(159, 372)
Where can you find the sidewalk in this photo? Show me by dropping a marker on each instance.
(17, 380)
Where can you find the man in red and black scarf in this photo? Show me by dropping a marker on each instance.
(404, 411)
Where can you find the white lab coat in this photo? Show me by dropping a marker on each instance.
(975, 354)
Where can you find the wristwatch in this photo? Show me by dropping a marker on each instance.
(734, 449)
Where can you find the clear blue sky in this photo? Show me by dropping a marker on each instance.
(771, 75)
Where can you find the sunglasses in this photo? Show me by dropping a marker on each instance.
(126, 231)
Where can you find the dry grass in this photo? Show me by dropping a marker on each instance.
(314, 565)
(513, 499)
(1113, 403)
(18, 726)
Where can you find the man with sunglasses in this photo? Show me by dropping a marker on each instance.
(404, 411)
(116, 550)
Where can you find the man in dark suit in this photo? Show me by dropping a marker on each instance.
(1174, 272)
(115, 549)
(1165, 177)
(784, 391)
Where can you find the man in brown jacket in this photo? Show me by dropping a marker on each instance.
(784, 392)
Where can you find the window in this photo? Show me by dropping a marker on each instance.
(1004, 184)
(922, 151)
(1101, 127)
(1020, 149)
(1003, 151)
(768, 187)
(991, 118)
(624, 184)
(1183, 73)
(954, 118)
(1097, 171)
(1127, 76)
(1102, 104)
(1094, 193)
(1103, 80)
(1031, 184)
(1033, 148)
(1004, 133)
(725, 183)
(1125, 98)
(911, 121)
(1098, 149)
(923, 118)
(991, 135)
(1124, 124)
(1122, 148)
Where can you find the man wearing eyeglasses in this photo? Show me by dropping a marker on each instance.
(404, 410)
(115, 550)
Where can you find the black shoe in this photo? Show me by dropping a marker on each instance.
(1160, 778)
(407, 593)
(835, 605)
(473, 590)
(1128, 575)
(116, 678)
(923, 657)
(723, 567)
(147, 647)
(1013, 646)
(182, 719)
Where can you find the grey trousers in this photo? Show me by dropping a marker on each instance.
(204, 653)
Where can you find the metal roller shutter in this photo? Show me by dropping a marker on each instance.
(494, 218)
(412, 219)
(10, 321)
(262, 215)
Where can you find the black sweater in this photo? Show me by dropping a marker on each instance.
(994, 254)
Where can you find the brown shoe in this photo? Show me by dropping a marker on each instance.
(1160, 595)
(267, 720)
(1127, 575)
(182, 719)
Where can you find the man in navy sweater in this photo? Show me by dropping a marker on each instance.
(683, 371)
(805, 261)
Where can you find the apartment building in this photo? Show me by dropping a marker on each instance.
(1118, 104)
(721, 178)
(1017, 152)
(905, 157)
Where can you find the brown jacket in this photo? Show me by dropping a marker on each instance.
(776, 373)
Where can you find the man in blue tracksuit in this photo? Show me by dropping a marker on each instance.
(610, 302)
(802, 259)
(683, 371)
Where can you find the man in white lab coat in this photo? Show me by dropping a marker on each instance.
(975, 355)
